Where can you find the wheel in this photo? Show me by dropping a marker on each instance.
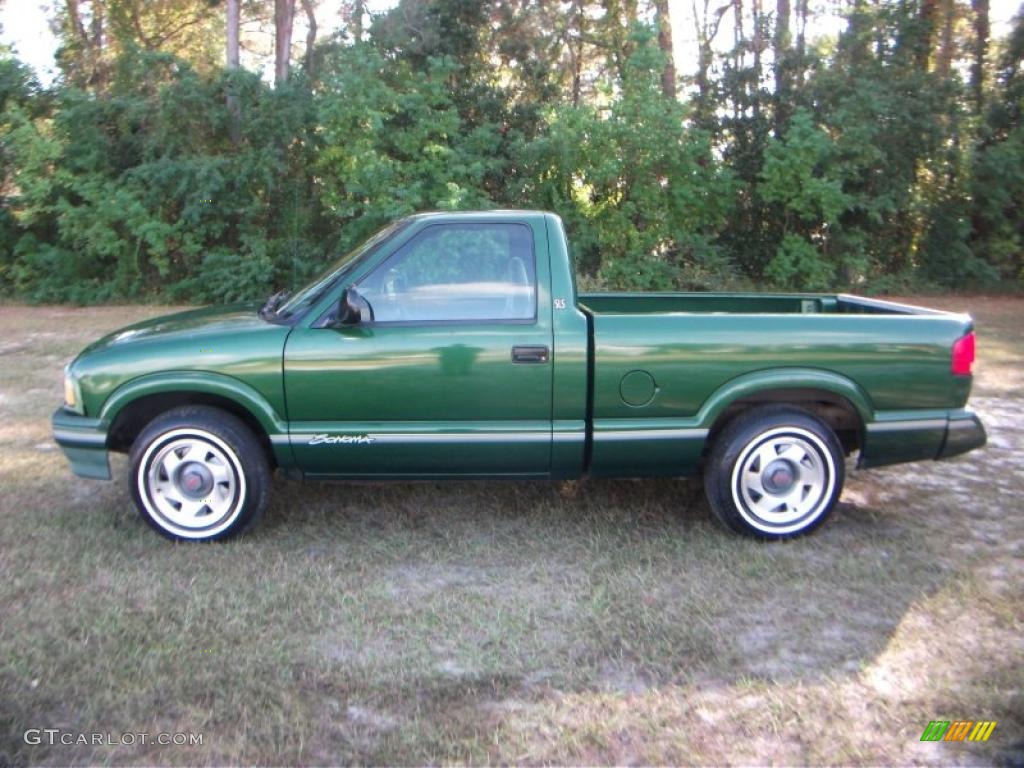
(198, 474)
(775, 472)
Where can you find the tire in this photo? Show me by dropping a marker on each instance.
(774, 472)
(198, 474)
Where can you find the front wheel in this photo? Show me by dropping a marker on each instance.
(774, 472)
(198, 474)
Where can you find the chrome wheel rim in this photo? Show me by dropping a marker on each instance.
(783, 480)
(191, 483)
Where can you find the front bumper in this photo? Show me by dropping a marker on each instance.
(931, 436)
(84, 443)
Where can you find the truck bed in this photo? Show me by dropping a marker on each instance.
(661, 363)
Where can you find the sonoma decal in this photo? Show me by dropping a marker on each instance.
(325, 439)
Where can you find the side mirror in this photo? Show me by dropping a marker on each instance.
(348, 310)
(352, 308)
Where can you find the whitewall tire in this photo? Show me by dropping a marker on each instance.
(198, 474)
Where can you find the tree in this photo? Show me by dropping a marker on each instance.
(997, 225)
(706, 25)
(802, 12)
(947, 43)
(94, 33)
(668, 75)
(231, 58)
(310, 10)
(352, 15)
(783, 75)
(641, 193)
(922, 36)
(284, 19)
(82, 51)
(420, 154)
(798, 179)
(889, 158)
(981, 32)
(231, 61)
(615, 32)
(576, 32)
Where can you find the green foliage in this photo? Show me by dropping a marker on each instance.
(998, 192)
(892, 122)
(798, 264)
(874, 168)
(809, 202)
(794, 174)
(643, 196)
(395, 143)
(998, 180)
(142, 194)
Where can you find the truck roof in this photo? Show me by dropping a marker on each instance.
(517, 212)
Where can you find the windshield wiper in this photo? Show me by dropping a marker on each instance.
(270, 307)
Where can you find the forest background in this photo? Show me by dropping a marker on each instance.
(177, 155)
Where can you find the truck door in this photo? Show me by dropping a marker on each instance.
(451, 376)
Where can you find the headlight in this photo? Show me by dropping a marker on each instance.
(72, 393)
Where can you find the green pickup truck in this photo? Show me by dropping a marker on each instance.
(455, 345)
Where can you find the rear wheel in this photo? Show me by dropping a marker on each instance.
(774, 472)
(198, 474)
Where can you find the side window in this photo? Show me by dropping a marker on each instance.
(457, 272)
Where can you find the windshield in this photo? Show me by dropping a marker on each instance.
(314, 291)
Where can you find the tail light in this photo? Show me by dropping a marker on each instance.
(963, 355)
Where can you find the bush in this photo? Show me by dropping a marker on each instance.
(149, 187)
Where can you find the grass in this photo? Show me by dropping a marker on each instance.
(587, 622)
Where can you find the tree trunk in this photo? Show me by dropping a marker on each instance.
(706, 25)
(802, 12)
(97, 26)
(929, 10)
(99, 71)
(944, 55)
(231, 62)
(668, 75)
(307, 6)
(576, 52)
(981, 33)
(758, 49)
(76, 21)
(85, 66)
(740, 95)
(782, 36)
(355, 22)
(704, 61)
(783, 91)
(284, 16)
(619, 18)
(231, 57)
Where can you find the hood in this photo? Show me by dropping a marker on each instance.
(229, 319)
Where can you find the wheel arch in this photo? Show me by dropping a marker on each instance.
(837, 401)
(139, 401)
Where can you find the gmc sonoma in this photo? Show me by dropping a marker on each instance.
(455, 345)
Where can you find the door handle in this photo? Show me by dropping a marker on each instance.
(530, 354)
